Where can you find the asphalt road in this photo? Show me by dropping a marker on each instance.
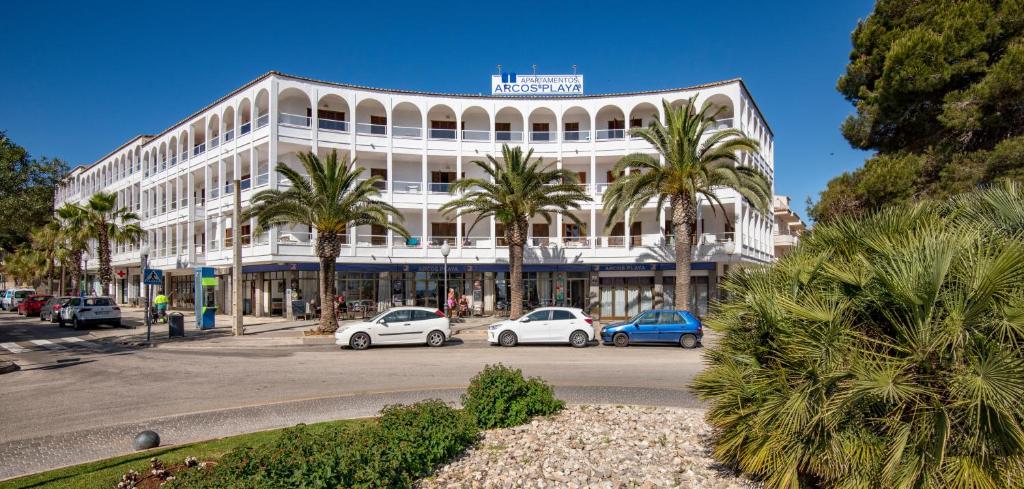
(80, 396)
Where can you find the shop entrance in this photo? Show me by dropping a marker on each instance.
(623, 297)
(576, 291)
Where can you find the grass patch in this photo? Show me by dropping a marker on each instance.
(106, 473)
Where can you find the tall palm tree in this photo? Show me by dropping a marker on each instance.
(331, 201)
(48, 242)
(102, 220)
(76, 241)
(518, 190)
(697, 161)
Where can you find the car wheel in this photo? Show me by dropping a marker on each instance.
(688, 341)
(116, 324)
(621, 339)
(508, 338)
(75, 323)
(578, 339)
(359, 341)
(435, 338)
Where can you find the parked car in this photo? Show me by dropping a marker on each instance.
(399, 325)
(32, 305)
(51, 310)
(87, 311)
(13, 297)
(544, 325)
(656, 326)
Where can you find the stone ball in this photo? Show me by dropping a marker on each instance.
(146, 440)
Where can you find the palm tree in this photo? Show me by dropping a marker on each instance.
(518, 190)
(102, 220)
(48, 242)
(696, 163)
(76, 241)
(332, 201)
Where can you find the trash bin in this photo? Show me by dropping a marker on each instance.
(175, 324)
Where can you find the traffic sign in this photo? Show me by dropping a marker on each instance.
(152, 276)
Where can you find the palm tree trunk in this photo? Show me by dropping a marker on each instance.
(328, 247)
(516, 238)
(62, 282)
(79, 276)
(103, 248)
(682, 221)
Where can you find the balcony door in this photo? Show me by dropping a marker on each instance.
(541, 234)
(541, 131)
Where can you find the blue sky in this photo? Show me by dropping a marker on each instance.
(80, 78)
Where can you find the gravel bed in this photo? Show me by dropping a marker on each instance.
(595, 447)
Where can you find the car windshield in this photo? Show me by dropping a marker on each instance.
(21, 294)
(635, 318)
(377, 317)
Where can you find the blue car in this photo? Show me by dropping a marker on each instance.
(656, 326)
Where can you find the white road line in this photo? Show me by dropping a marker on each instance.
(49, 345)
(80, 342)
(14, 348)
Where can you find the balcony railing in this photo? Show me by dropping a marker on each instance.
(576, 242)
(174, 161)
(229, 135)
(245, 128)
(371, 241)
(439, 188)
(214, 142)
(718, 125)
(371, 129)
(475, 242)
(262, 179)
(613, 241)
(443, 134)
(332, 125)
(407, 187)
(294, 237)
(539, 241)
(475, 135)
(286, 119)
(438, 241)
(575, 136)
(543, 136)
(246, 183)
(406, 132)
(410, 242)
(262, 120)
(200, 149)
(610, 134)
(214, 191)
(508, 135)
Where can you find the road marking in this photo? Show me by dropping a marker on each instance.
(80, 342)
(49, 345)
(14, 348)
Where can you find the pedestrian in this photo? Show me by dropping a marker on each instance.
(342, 305)
(451, 302)
(463, 306)
(160, 302)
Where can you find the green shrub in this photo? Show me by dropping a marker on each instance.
(499, 397)
(883, 352)
(406, 443)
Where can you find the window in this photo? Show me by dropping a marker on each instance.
(559, 315)
(538, 315)
(616, 124)
(420, 315)
(581, 176)
(636, 123)
(330, 115)
(378, 124)
(398, 316)
(667, 317)
(383, 174)
(540, 131)
(442, 129)
(503, 131)
(649, 318)
(98, 301)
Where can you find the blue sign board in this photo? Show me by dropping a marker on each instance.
(152, 276)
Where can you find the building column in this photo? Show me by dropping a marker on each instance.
(258, 306)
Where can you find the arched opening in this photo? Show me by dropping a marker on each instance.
(332, 112)
(244, 117)
(228, 123)
(213, 131)
(576, 124)
(262, 108)
(721, 109)
(407, 120)
(508, 125)
(371, 117)
(643, 115)
(161, 163)
(442, 122)
(476, 124)
(611, 123)
(172, 147)
(543, 125)
(294, 108)
(183, 141)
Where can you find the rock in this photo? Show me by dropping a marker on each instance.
(146, 440)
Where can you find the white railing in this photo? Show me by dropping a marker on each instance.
(286, 119)
(184, 155)
(539, 241)
(246, 183)
(475, 242)
(576, 242)
(719, 124)
(262, 239)
(610, 134)
(262, 120)
(200, 149)
(294, 237)
(332, 125)
(371, 241)
(575, 136)
(506, 136)
(407, 187)
(543, 136)
(245, 128)
(443, 134)
(183, 203)
(214, 191)
(214, 142)
(439, 188)
(714, 238)
(613, 241)
(371, 129)
(406, 132)
(174, 161)
(262, 179)
(229, 135)
(437, 241)
(475, 135)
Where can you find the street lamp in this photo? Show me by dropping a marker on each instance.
(144, 263)
(445, 250)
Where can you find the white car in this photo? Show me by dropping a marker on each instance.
(397, 326)
(13, 297)
(85, 311)
(545, 325)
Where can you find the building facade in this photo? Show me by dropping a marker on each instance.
(788, 226)
(180, 182)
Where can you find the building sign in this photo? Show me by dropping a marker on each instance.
(513, 84)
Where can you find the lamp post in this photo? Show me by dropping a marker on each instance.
(85, 272)
(144, 259)
(445, 250)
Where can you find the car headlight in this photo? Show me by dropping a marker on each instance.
(494, 326)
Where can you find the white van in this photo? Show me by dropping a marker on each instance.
(13, 297)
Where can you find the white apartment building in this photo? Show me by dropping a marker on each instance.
(788, 226)
(180, 183)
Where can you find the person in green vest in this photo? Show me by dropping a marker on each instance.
(161, 301)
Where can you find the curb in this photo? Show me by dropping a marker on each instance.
(8, 367)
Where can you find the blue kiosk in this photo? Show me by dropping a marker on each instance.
(206, 301)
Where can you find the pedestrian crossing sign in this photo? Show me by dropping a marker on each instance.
(153, 277)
